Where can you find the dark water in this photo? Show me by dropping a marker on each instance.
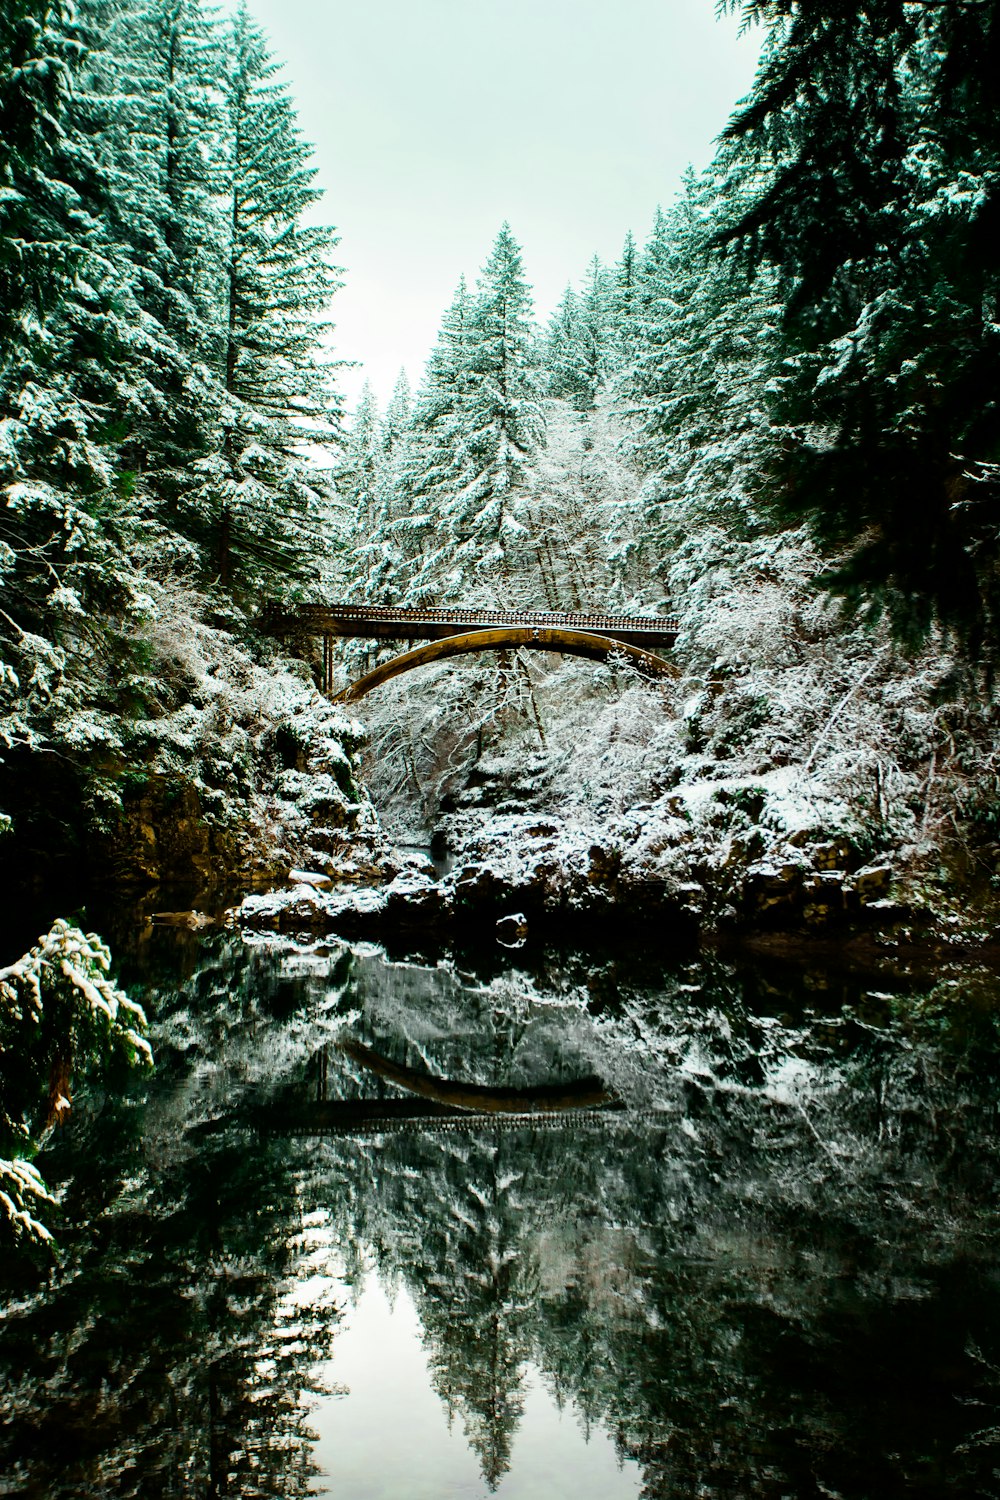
(761, 1260)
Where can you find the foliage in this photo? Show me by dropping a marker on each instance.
(60, 1017)
(162, 362)
(873, 144)
(478, 424)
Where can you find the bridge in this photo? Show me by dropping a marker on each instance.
(431, 1102)
(455, 631)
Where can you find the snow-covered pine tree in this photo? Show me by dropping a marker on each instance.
(560, 354)
(578, 351)
(43, 212)
(596, 349)
(875, 192)
(359, 477)
(402, 520)
(370, 482)
(152, 77)
(63, 312)
(276, 382)
(433, 463)
(669, 271)
(707, 349)
(623, 295)
(499, 427)
(398, 419)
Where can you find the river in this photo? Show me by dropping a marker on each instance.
(537, 1224)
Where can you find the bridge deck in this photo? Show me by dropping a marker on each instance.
(363, 1118)
(387, 622)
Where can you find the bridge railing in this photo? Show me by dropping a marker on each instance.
(325, 618)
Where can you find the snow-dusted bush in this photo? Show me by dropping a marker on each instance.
(60, 1016)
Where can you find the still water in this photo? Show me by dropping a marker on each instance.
(558, 1226)
(380, 1358)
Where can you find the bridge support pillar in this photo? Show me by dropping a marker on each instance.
(328, 664)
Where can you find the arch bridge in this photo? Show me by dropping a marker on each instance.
(456, 631)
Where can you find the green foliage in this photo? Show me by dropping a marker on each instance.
(478, 424)
(873, 145)
(705, 349)
(61, 1017)
(161, 352)
(581, 346)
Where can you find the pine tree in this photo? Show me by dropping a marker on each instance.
(595, 332)
(63, 322)
(43, 215)
(210, 184)
(561, 351)
(429, 467)
(153, 71)
(360, 476)
(622, 304)
(498, 427)
(398, 419)
(372, 481)
(707, 348)
(278, 281)
(874, 139)
(437, 411)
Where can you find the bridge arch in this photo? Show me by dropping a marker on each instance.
(531, 638)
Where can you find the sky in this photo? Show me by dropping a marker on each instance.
(433, 121)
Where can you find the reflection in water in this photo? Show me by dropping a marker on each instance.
(393, 1436)
(772, 1270)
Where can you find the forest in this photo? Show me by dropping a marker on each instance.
(775, 417)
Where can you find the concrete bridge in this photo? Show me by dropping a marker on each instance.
(455, 631)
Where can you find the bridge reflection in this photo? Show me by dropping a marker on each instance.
(432, 1100)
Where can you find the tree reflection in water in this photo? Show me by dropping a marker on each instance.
(771, 1272)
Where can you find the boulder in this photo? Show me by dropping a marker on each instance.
(872, 883)
(310, 877)
(823, 901)
(512, 930)
(772, 889)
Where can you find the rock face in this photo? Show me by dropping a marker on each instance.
(232, 769)
(162, 838)
(809, 891)
(521, 872)
(658, 871)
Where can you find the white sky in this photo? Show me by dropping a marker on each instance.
(435, 120)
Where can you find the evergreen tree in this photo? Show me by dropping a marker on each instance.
(875, 139)
(153, 72)
(595, 332)
(278, 392)
(398, 419)
(210, 184)
(579, 353)
(360, 477)
(43, 212)
(561, 351)
(433, 463)
(497, 428)
(652, 270)
(370, 482)
(64, 307)
(707, 348)
(622, 304)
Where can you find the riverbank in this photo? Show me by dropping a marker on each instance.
(226, 768)
(714, 875)
(666, 814)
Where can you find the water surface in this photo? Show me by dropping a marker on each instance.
(760, 1261)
